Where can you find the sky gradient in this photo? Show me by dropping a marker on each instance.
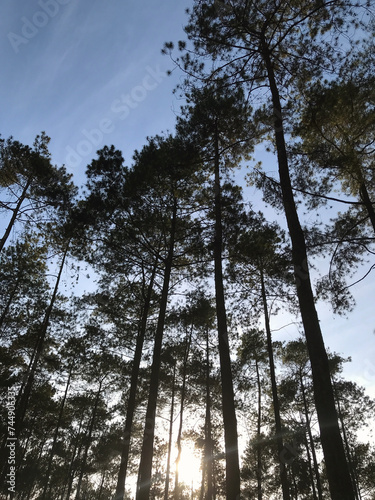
(90, 73)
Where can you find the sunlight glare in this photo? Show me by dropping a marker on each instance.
(189, 469)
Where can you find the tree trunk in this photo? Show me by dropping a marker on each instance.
(55, 436)
(182, 403)
(121, 479)
(24, 397)
(367, 202)
(23, 446)
(202, 489)
(167, 475)
(15, 214)
(312, 446)
(38, 459)
(337, 468)
(145, 467)
(24, 394)
(101, 486)
(71, 471)
(312, 478)
(275, 398)
(347, 447)
(88, 440)
(259, 423)
(208, 451)
(229, 411)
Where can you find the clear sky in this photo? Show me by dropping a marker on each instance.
(90, 73)
(87, 72)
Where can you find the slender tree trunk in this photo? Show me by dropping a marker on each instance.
(208, 451)
(312, 446)
(311, 472)
(88, 440)
(145, 467)
(182, 406)
(101, 485)
(24, 397)
(259, 424)
(167, 475)
(201, 491)
(229, 411)
(71, 471)
(347, 447)
(337, 468)
(26, 375)
(121, 479)
(38, 459)
(15, 214)
(23, 446)
(55, 436)
(275, 397)
(367, 202)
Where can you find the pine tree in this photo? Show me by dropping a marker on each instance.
(266, 44)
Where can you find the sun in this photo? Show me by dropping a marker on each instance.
(189, 468)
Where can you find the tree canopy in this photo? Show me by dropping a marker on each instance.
(171, 355)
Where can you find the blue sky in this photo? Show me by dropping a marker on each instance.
(90, 73)
(87, 72)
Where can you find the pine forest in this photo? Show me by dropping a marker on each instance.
(141, 311)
